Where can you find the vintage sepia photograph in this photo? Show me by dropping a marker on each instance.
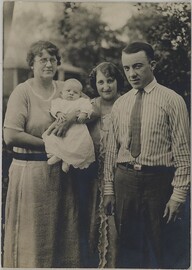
(96, 134)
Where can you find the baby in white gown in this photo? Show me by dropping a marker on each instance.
(76, 147)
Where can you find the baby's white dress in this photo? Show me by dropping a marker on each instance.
(76, 147)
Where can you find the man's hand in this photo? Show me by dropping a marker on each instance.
(173, 210)
(109, 202)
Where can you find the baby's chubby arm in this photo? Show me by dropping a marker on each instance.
(82, 117)
(86, 110)
(60, 118)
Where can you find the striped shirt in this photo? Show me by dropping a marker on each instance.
(164, 136)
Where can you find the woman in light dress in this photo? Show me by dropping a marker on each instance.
(107, 80)
(40, 212)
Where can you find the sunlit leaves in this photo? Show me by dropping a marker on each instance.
(86, 39)
(167, 26)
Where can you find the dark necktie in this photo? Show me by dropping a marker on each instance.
(135, 122)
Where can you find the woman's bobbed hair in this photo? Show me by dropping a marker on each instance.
(36, 49)
(108, 69)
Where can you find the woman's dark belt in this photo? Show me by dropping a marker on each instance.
(143, 168)
(30, 156)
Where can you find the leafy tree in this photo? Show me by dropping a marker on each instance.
(167, 26)
(86, 39)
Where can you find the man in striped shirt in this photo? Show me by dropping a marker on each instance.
(148, 190)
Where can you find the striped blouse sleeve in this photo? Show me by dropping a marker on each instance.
(111, 155)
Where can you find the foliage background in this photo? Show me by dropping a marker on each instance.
(86, 37)
(167, 26)
(88, 33)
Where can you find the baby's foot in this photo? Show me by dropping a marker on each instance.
(52, 160)
(65, 167)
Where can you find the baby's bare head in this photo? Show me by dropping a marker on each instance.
(72, 89)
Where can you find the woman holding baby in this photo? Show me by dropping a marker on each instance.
(47, 194)
(35, 194)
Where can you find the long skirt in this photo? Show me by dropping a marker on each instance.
(36, 214)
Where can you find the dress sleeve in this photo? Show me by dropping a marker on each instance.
(86, 106)
(17, 109)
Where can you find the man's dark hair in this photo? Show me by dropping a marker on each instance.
(140, 46)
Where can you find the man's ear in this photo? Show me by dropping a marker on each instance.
(153, 64)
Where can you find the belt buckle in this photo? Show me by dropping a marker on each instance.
(137, 167)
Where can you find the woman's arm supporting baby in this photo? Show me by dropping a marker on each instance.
(59, 128)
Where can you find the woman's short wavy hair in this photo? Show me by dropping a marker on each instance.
(36, 49)
(108, 69)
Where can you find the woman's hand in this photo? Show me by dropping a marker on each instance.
(109, 204)
(60, 116)
(59, 128)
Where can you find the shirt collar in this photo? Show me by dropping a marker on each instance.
(149, 87)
